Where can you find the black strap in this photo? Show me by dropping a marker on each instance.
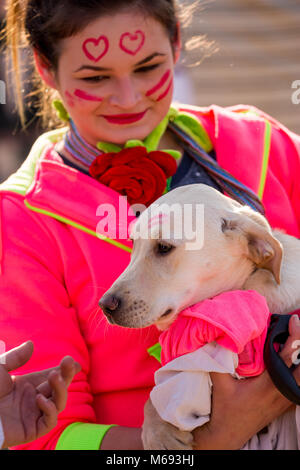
(280, 374)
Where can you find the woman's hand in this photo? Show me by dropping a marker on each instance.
(29, 404)
(241, 408)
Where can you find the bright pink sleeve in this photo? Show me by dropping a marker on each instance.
(35, 306)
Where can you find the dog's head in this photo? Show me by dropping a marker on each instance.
(191, 244)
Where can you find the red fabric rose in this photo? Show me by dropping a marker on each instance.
(134, 173)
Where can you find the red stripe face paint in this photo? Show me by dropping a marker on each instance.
(160, 84)
(132, 43)
(95, 49)
(69, 99)
(86, 96)
(165, 93)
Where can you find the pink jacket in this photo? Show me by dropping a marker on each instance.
(54, 268)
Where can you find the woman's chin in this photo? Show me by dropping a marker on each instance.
(120, 134)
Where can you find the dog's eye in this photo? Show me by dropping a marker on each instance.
(164, 248)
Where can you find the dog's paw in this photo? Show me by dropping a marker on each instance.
(160, 435)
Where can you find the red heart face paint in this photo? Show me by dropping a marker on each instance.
(95, 49)
(86, 96)
(132, 43)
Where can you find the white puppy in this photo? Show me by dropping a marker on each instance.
(192, 244)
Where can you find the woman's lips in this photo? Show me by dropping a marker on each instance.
(124, 118)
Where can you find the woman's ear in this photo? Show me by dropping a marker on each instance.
(177, 43)
(44, 70)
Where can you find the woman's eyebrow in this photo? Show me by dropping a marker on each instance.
(104, 69)
(150, 57)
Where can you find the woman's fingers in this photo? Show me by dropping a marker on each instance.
(48, 420)
(12, 360)
(52, 394)
(68, 368)
(59, 390)
(291, 349)
(17, 357)
(29, 412)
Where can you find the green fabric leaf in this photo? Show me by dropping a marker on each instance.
(61, 110)
(134, 143)
(107, 147)
(191, 125)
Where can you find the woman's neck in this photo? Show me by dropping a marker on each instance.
(61, 149)
(168, 141)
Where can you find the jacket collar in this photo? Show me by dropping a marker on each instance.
(68, 195)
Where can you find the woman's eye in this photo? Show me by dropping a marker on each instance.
(147, 68)
(164, 248)
(96, 79)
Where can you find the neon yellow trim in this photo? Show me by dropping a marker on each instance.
(82, 436)
(266, 156)
(266, 152)
(78, 226)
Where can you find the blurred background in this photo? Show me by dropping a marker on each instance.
(235, 52)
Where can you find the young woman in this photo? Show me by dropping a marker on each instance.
(112, 65)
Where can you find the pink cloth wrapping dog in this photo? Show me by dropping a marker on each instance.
(236, 320)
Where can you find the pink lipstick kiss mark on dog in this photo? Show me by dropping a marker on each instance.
(86, 96)
(132, 43)
(157, 219)
(95, 49)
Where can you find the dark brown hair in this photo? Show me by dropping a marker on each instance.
(42, 24)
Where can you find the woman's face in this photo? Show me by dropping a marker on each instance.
(116, 77)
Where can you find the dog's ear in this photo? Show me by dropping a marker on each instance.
(261, 247)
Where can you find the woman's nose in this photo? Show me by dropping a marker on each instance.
(126, 95)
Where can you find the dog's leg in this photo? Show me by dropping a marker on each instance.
(160, 435)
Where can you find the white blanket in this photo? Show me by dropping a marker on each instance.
(182, 396)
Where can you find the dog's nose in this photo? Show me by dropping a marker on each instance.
(109, 303)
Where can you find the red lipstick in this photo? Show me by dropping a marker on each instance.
(124, 118)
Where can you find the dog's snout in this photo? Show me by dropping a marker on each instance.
(110, 304)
